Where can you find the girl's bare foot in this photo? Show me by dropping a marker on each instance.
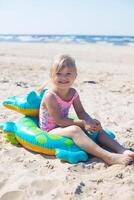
(129, 153)
(114, 158)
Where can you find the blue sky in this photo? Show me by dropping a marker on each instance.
(112, 17)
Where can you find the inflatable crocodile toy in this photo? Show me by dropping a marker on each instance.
(26, 131)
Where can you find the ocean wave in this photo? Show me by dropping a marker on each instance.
(116, 40)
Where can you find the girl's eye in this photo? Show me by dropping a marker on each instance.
(68, 74)
(58, 73)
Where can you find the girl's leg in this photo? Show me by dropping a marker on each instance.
(83, 141)
(107, 141)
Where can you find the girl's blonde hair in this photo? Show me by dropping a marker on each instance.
(60, 62)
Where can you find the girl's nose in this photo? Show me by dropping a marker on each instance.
(64, 76)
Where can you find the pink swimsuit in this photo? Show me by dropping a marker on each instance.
(46, 122)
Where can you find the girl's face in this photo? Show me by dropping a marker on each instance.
(64, 78)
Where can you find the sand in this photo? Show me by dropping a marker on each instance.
(106, 87)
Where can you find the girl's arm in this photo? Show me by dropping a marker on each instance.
(80, 111)
(50, 102)
(90, 124)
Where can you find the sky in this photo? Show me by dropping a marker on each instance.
(86, 17)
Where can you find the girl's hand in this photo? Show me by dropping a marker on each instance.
(92, 126)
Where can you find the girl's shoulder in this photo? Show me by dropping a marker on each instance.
(48, 96)
(74, 93)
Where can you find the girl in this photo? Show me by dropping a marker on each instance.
(54, 119)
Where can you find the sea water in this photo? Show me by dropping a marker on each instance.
(40, 38)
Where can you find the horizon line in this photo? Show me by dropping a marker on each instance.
(59, 34)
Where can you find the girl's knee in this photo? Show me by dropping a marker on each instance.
(76, 130)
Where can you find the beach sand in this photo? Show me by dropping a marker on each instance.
(106, 86)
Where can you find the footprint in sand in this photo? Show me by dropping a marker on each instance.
(3, 182)
(44, 185)
(15, 195)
